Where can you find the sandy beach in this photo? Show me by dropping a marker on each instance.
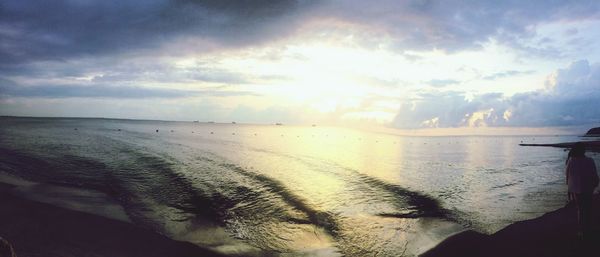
(39, 229)
(551, 235)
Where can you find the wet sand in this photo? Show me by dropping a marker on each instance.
(39, 229)
(552, 234)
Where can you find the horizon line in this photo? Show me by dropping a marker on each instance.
(380, 128)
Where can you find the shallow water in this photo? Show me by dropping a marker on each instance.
(288, 190)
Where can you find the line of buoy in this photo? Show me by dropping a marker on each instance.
(282, 135)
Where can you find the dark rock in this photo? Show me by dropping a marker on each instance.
(593, 132)
(553, 234)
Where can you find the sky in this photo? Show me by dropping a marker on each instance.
(398, 64)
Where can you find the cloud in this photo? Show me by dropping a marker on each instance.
(133, 50)
(164, 72)
(456, 25)
(136, 108)
(442, 82)
(95, 90)
(60, 29)
(444, 109)
(505, 74)
(570, 98)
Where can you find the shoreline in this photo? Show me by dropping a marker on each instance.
(40, 229)
(550, 235)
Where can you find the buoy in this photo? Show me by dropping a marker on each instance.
(157, 130)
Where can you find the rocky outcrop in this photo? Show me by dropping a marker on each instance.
(553, 234)
(593, 132)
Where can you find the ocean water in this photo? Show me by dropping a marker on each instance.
(268, 190)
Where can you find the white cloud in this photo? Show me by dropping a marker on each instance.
(572, 97)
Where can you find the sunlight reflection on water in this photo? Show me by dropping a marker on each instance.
(318, 191)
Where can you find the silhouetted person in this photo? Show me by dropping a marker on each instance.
(570, 196)
(6, 249)
(582, 179)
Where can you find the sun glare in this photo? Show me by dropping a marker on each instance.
(349, 82)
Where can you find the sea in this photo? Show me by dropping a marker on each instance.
(279, 190)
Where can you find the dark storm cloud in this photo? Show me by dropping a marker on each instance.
(59, 29)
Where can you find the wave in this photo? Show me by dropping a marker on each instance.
(157, 186)
(418, 204)
(322, 219)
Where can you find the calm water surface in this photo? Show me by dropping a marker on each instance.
(292, 191)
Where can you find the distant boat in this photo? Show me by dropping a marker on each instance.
(233, 122)
(196, 121)
(211, 122)
(278, 124)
